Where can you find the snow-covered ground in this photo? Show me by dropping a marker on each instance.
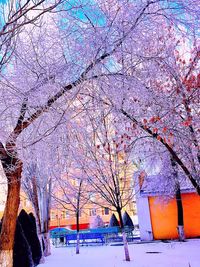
(172, 254)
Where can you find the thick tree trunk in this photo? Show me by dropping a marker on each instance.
(126, 251)
(10, 217)
(6, 258)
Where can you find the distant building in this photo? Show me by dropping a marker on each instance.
(157, 210)
(61, 217)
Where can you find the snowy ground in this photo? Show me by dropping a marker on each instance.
(173, 254)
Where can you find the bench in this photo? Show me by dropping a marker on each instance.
(92, 236)
(85, 238)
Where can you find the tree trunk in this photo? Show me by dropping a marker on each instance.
(78, 238)
(40, 236)
(47, 250)
(181, 233)
(179, 204)
(78, 243)
(10, 217)
(6, 258)
(37, 216)
(45, 221)
(126, 251)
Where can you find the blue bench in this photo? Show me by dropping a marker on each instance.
(102, 235)
(86, 238)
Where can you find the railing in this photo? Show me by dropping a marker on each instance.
(92, 236)
(86, 238)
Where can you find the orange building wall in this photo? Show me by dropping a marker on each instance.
(164, 216)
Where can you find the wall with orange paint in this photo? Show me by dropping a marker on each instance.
(164, 216)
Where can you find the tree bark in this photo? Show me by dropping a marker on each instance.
(46, 236)
(45, 218)
(179, 203)
(126, 250)
(78, 243)
(180, 227)
(6, 258)
(77, 239)
(40, 236)
(47, 250)
(10, 215)
(37, 216)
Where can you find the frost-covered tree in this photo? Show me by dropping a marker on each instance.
(37, 186)
(165, 107)
(71, 193)
(108, 169)
(113, 221)
(127, 220)
(156, 89)
(14, 16)
(39, 84)
(40, 171)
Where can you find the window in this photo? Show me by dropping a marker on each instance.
(53, 216)
(106, 211)
(63, 215)
(93, 212)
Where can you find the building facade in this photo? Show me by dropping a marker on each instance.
(157, 212)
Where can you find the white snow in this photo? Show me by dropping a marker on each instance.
(172, 254)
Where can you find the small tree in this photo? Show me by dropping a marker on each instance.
(22, 255)
(113, 221)
(72, 195)
(33, 220)
(31, 235)
(109, 167)
(127, 220)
